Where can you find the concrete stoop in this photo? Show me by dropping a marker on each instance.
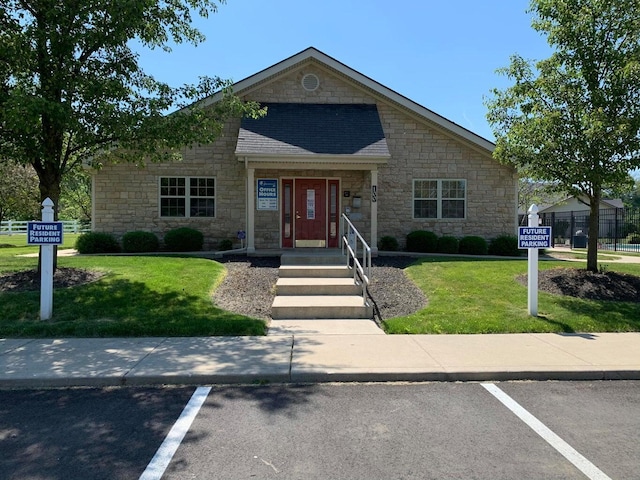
(315, 293)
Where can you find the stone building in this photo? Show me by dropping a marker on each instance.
(333, 142)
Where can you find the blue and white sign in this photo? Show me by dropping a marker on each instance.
(267, 194)
(44, 233)
(534, 237)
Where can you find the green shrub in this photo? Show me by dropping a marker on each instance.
(505, 246)
(225, 244)
(447, 244)
(422, 241)
(183, 239)
(95, 242)
(139, 242)
(388, 244)
(635, 239)
(473, 245)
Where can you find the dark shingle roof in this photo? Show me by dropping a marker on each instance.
(323, 129)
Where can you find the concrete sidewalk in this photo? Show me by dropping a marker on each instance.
(317, 358)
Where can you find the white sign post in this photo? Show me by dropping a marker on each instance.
(532, 238)
(533, 265)
(46, 267)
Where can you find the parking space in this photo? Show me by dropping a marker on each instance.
(84, 433)
(601, 420)
(438, 430)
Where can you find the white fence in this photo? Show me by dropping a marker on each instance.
(12, 227)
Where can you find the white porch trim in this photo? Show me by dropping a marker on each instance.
(251, 211)
(374, 212)
(286, 164)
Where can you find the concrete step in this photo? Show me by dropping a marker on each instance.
(318, 257)
(317, 286)
(317, 271)
(348, 326)
(320, 307)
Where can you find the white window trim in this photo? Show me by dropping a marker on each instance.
(438, 199)
(187, 197)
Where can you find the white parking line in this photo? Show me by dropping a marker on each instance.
(584, 465)
(167, 450)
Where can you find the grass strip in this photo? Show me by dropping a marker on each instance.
(483, 296)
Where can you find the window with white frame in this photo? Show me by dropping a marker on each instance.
(439, 199)
(187, 197)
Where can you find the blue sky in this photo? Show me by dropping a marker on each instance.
(440, 54)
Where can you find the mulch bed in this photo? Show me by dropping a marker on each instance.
(581, 283)
(63, 277)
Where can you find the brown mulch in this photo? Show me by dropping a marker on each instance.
(576, 282)
(63, 277)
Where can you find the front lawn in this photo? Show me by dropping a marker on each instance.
(483, 296)
(138, 296)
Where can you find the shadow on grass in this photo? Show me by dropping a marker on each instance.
(561, 326)
(609, 316)
(118, 307)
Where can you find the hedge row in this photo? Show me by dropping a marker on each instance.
(423, 241)
(178, 240)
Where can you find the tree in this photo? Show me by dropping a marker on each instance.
(540, 193)
(75, 195)
(71, 89)
(631, 198)
(18, 192)
(574, 118)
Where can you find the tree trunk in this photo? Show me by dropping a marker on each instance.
(594, 233)
(49, 188)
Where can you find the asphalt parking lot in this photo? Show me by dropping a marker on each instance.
(389, 430)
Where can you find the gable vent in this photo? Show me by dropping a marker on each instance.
(310, 82)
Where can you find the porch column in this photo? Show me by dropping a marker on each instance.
(374, 212)
(251, 202)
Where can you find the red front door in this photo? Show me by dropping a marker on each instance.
(310, 212)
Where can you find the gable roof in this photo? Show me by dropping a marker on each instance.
(313, 55)
(307, 128)
(605, 203)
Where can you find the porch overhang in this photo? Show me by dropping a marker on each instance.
(315, 162)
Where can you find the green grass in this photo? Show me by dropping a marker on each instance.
(138, 296)
(482, 296)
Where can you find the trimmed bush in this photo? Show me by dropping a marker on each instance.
(183, 239)
(635, 239)
(473, 245)
(422, 241)
(447, 244)
(95, 242)
(505, 246)
(388, 244)
(139, 242)
(225, 244)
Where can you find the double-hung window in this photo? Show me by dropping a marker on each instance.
(439, 199)
(187, 197)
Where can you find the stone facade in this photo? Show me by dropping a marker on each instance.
(126, 198)
(422, 152)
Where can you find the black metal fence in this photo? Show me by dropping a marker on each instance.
(619, 229)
